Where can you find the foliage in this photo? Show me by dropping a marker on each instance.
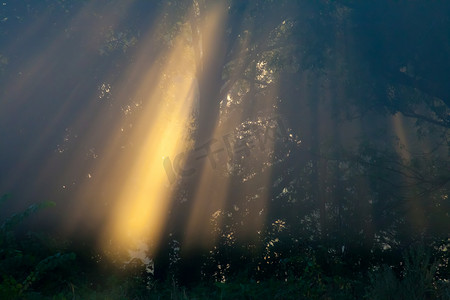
(36, 266)
(29, 261)
(417, 279)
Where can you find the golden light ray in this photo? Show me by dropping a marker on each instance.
(162, 130)
(214, 192)
(404, 149)
(142, 204)
(407, 145)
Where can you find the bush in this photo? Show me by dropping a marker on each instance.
(416, 281)
(28, 261)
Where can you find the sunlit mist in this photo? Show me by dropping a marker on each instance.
(162, 130)
(235, 144)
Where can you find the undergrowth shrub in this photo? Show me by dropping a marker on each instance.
(29, 261)
(416, 281)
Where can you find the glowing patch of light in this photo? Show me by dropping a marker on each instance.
(162, 130)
